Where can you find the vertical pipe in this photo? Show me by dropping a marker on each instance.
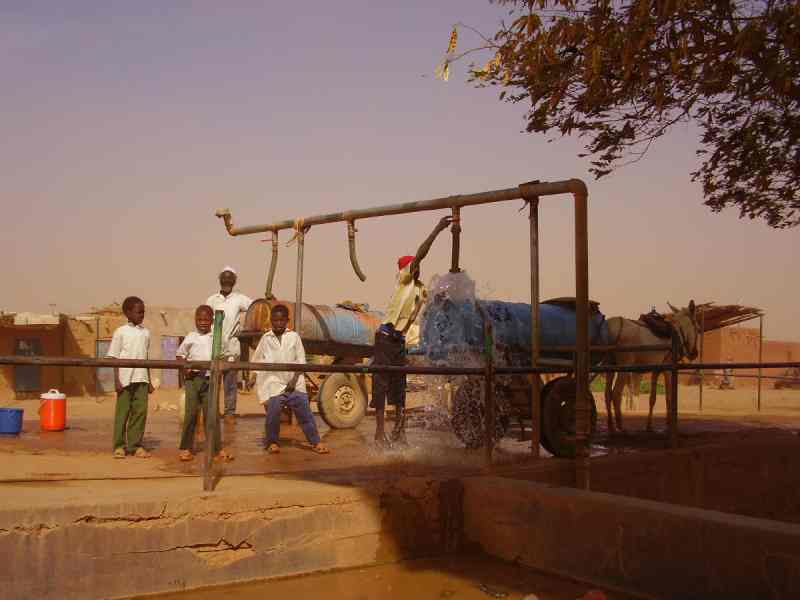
(298, 298)
(582, 408)
(215, 381)
(672, 393)
(490, 417)
(536, 380)
(702, 338)
(760, 355)
(455, 229)
(582, 412)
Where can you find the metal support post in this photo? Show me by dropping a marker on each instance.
(535, 380)
(672, 393)
(212, 411)
(702, 338)
(760, 356)
(489, 412)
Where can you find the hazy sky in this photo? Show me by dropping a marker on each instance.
(126, 124)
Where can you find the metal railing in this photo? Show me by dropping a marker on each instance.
(488, 373)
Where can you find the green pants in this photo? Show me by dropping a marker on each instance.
(197, 393)
(130, 416)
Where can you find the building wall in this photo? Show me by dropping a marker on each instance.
(51, 339)
(740, 344)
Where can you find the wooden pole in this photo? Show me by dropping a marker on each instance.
(212, 416)
(760, 356)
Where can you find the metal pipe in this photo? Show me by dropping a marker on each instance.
(572, 186)
(200, 365)
(455, 230)
(212, 416)
(760, 355)
(536, 391)
(582, 408)
(351, 244)
(702, 338)
(298, 297)
(273, 265)
(672, 392)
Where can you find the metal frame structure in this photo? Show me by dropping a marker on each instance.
(530, 192)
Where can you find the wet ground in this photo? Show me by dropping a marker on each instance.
(83, 451)
(456, 578)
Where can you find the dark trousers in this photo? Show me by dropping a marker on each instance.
(390, 349)
(130, 416)
(197, 392)
(229, 380)
(298, 403)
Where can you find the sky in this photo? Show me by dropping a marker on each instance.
(125, 126)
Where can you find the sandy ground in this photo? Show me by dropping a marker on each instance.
(83, 450)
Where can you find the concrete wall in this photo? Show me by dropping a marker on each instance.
(661, 550)
(125, 542)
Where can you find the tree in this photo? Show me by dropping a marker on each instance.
(622, 74)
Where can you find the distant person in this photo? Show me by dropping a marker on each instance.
(277, 389)
(197, 346)
(390, 341)
(133, 385)
(233, 304)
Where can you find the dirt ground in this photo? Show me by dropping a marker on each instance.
(82, 451)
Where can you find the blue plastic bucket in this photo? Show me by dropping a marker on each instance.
(10, 420)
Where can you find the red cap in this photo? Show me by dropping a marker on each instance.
(403, 262)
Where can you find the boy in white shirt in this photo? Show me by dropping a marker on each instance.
(283, 388)
(198, 346)
(133, 385)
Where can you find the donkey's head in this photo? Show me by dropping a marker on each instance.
(685, 323)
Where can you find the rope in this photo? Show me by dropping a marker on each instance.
(300, 229)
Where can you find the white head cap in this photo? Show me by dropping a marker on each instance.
(228, 268)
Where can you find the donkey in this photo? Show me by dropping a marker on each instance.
(627, 332)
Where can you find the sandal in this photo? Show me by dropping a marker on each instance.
(274, 449)
(320, 449)
(224, 455)
(185, 455)
(119, 452)
(141, 453)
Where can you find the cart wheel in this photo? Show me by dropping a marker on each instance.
(342, 401)
(558, 417)
(468, 414)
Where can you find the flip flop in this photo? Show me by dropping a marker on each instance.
(185, 455)
(274, 449)
(320, 449)
(119, 453)
(224, 455)
(141, 453)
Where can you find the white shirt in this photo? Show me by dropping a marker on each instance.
(130, 341)
(196, 346)
(233, 304)
(289, 349)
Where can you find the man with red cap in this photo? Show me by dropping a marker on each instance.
(390, 343)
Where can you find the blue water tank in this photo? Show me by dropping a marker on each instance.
(450, 327)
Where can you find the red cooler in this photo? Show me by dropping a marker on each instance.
(53, 411)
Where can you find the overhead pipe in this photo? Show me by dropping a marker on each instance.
(570, 186)
(351, 243)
